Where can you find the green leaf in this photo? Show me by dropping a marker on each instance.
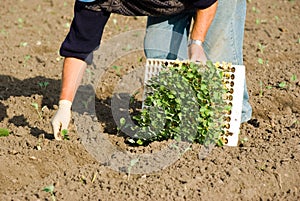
(282, 84)
(134, 161)
(122, 122)
(260, 61)
(139, 142)
(294, 78)
(65, 134)
(35, 105)
(175, 91)
(4, 132)
(49, 189)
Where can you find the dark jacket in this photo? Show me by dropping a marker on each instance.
(148, 7)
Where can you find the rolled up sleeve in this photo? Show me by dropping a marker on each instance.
(204, 4)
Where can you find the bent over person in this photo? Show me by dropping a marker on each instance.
(216, 34)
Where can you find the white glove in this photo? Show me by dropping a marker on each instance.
(196, 53)
(62, 118)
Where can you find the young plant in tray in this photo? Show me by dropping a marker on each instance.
(184, 102)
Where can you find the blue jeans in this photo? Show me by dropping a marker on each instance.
(166, 38)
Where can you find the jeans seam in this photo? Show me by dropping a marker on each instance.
(233, 43)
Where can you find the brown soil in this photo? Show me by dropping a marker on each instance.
(265, 165)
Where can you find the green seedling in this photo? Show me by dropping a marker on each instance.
(87, 102)
(122, 124)
(276, 18)
(260, 21)
(133, 162)
(254, 9)
(282, 85)
(20, 22)
(23, 44)
(261, 47)
(65, 134)
(4, 132)
(50, 189)
(294, 78)
(27, 57)
(3, 32)
(269, 87)
(43, 85)
(244, 140)
(186, 102)
(117, 69)
(260, 61)
(36, 107)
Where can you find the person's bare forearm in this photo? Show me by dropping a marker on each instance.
(203, 19)
(73, 71)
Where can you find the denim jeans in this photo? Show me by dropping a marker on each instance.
(166, 38)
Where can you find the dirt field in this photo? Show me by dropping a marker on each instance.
(265, 166)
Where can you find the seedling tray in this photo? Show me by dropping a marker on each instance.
(234, 78)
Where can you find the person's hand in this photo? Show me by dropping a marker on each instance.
(196, 53)
(62, 118)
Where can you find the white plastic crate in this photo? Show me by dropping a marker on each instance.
(234, 79)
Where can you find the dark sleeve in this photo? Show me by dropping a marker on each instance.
(202, 4)
(85, 33)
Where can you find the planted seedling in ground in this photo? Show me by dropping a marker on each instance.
(65, 134)
(260, 61)
(118, 70)
(43, 85)
(87, 102)
(50, 189)
(20, 22)
(294, 78)
(122, 124)
(261, 47)
(36, 107)
(282, 85)
(4, 132)
(133, 162)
